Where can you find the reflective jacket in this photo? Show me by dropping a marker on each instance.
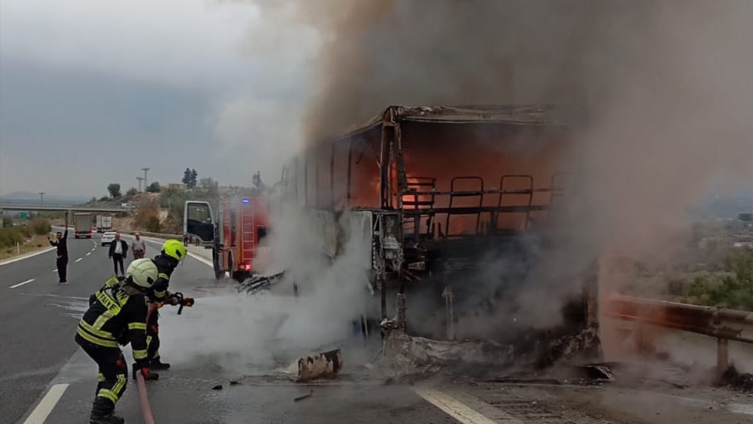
(165, 267)
(115, 318)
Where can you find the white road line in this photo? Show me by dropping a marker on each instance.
(457, 409)
(88, 253)
(22, 257)
(200, 259)
(54, 270)
(207, 262)
(45, 406)
(22, 283)
(78, 260)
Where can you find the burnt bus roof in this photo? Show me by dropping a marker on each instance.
(524, 115)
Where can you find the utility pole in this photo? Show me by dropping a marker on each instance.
(146, 184)
(41, 198)
(140, 180)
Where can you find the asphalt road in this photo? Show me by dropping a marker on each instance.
(39, 319)
(247, 340)
(209, 345)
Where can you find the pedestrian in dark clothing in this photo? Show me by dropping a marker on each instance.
(118, 252)
(61, 242)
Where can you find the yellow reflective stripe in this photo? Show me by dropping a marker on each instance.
(96, 340)
(148, 340)
(139, 354)
(107, 394)
(102, 319)
(101, 377)
(160, 294)
(137, 326)
(120, 385)
(108, 301)
(99, 333)
(163, 275)
(112, 282)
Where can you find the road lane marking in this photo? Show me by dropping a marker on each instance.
(200, 259)
(78, 260)
(45, 406)
(22, 283)
(54, 270)
(457, 409)
(22, 257)
(88, 253)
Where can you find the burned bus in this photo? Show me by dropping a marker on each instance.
(459, 202)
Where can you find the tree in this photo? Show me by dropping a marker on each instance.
(114, 190)
(189, 177)
(194, 175)
(132, 191)
(153, 187)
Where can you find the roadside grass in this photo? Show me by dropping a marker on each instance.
(27, 246)
(27, 238)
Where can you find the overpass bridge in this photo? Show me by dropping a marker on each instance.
(38, 208)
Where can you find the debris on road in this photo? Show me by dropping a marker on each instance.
(306, 396)
(736, 380)
(408, 355)
(323, 365)
(217, 387)
(234, 382)
(598, 372)
(258, 283)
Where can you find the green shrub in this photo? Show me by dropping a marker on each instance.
(40, 226)
(10, 236)
(732, 288)
(153, 225)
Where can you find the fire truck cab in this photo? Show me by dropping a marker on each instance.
(241, 226)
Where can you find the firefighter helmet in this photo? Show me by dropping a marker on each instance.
(142, 273)
(174, 249)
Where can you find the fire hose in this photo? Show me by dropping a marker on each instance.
(146, 410)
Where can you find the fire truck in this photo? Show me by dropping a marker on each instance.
(235, 236)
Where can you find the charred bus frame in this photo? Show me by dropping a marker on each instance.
(408, 210)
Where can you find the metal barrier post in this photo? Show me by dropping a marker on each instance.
(722, 355)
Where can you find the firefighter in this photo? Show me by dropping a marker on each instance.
(173, 252)
(116, 316)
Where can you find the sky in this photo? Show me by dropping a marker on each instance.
(92, 91)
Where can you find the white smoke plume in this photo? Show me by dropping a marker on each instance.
(667, 87)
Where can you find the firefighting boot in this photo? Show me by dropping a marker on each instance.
(105, 419)
(157, 364)
(102, 412)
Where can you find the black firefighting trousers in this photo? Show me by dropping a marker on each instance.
(152, 336)
(113, 375)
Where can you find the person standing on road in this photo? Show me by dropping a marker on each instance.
(118, 252)
(61, 243)
(117, 316)
(138, 247)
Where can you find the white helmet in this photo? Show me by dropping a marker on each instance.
(142, 273)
